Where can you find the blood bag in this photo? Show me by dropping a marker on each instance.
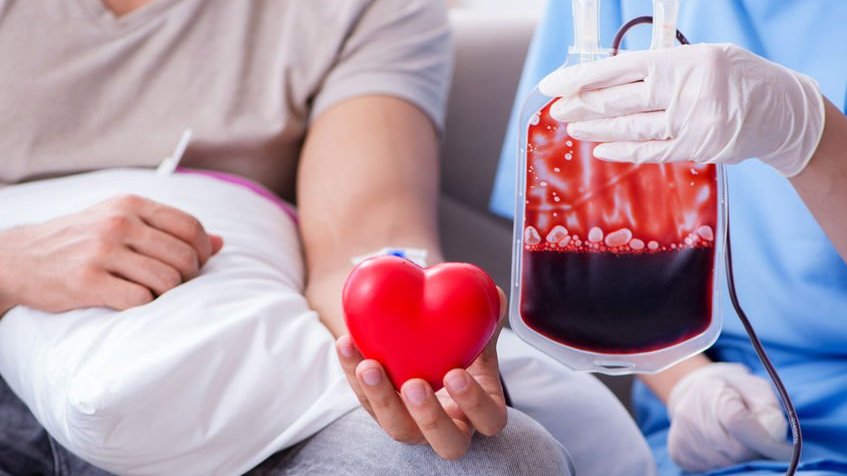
(615, 265)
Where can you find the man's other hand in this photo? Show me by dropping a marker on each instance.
(119, 254)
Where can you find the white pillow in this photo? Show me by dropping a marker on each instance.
(211, 378)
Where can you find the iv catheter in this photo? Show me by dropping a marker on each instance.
(170, 164)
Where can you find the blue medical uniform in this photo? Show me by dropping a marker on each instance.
(791, 281)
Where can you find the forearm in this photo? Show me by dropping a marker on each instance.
(381, 228)
(663, 382)
(368, 179)
(823, 183)
(6, 303)
(324, 289)
(7, 299)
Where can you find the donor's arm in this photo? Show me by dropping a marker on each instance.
(369, 179)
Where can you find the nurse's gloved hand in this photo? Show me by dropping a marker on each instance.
(707, 103)
(721, 415)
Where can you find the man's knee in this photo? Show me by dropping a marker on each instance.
(355, 445)
(523, 447)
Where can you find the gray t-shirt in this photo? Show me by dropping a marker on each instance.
(81, 89)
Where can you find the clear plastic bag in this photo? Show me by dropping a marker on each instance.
(615, 266)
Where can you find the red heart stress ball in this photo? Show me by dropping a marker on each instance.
(420, 323)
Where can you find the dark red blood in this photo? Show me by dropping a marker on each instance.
(618, 303)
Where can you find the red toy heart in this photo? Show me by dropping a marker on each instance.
(420, 323)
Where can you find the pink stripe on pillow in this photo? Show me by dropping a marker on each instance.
(248, 184)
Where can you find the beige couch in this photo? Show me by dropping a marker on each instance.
(490, 52)
(489, 56)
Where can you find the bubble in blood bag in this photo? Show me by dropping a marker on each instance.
(535, 119)
(531, 236)
(595, 235)
(557, 234)
(706, 233)
(636, 244)
(565, 242)
(618, 238)
(653, 245)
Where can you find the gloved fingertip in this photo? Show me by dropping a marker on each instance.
(773, 420)
(783, 452)
(775, 450)
(557, 84)
(609, 152)
(561, 111)
(576, 131)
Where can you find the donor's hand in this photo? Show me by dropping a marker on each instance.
(471, 400)
(119, 254)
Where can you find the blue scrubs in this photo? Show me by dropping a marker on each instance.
(791, 281)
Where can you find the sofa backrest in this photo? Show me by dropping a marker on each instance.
(490, 52)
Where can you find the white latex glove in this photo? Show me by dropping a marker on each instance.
(722, 415)
(707, 103)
